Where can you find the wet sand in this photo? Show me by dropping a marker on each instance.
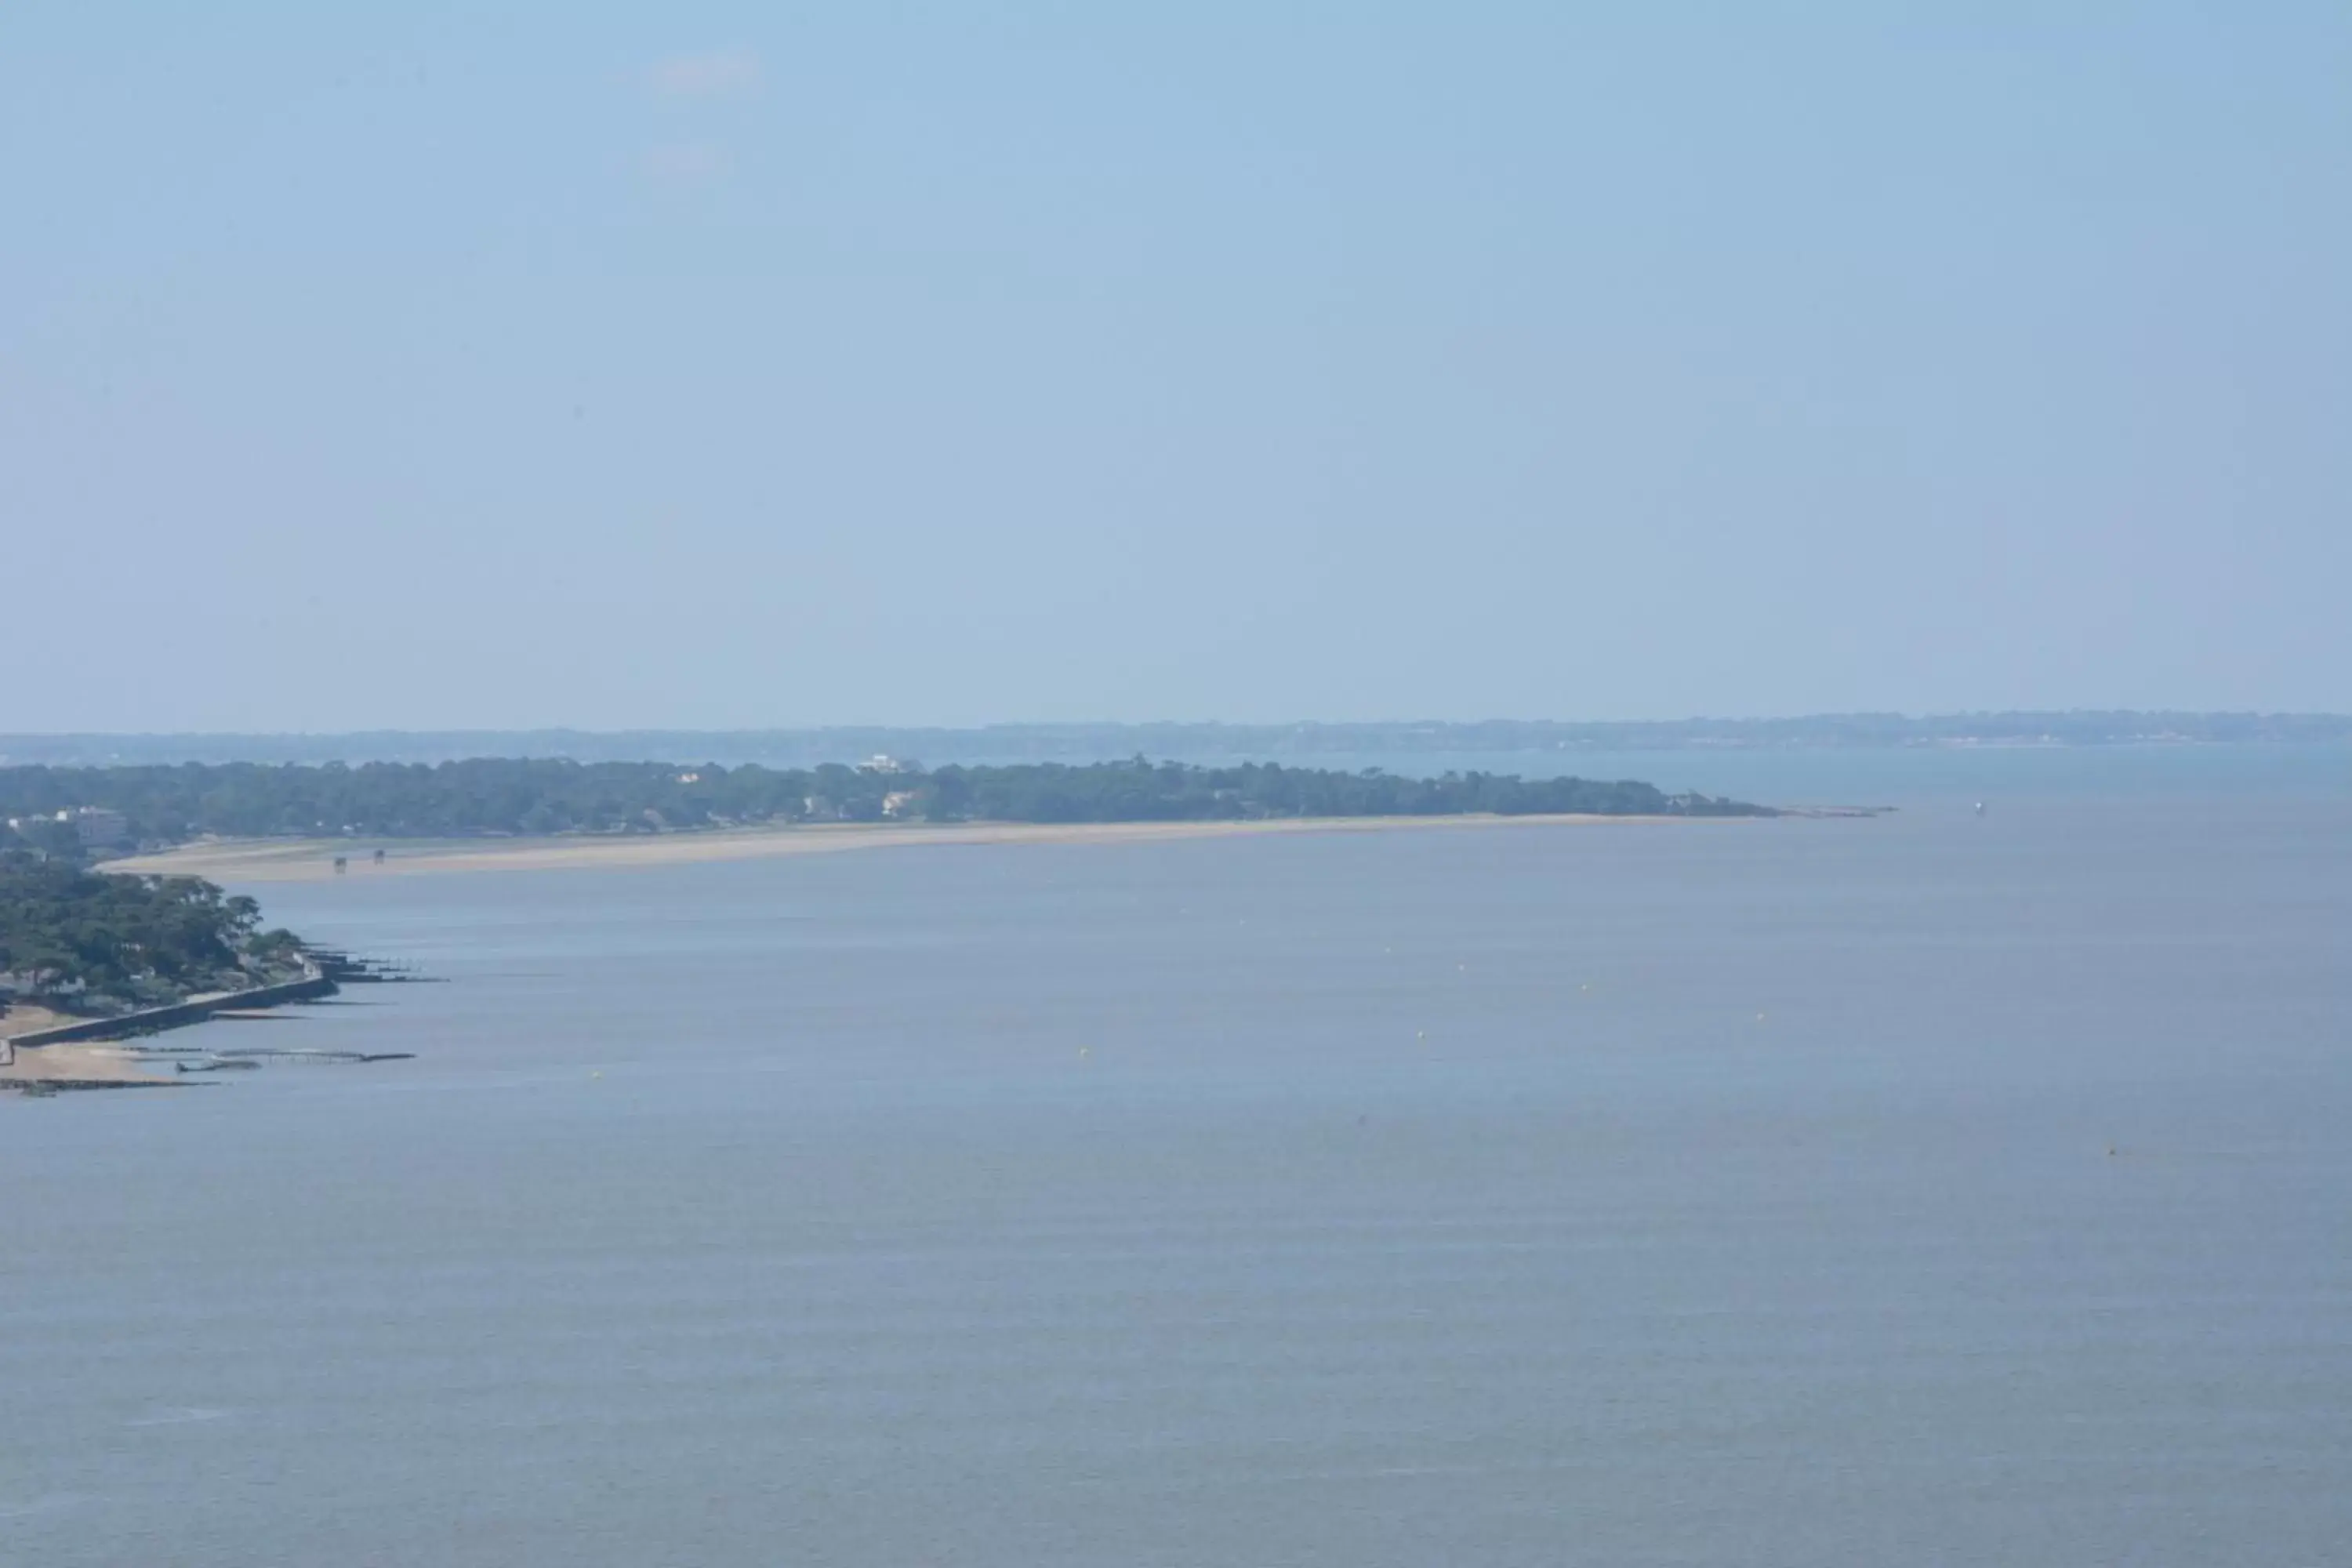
(95, 1063)
(78, 1064)
(313, 859)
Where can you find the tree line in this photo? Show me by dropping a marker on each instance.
(169, 805)
(68, 932)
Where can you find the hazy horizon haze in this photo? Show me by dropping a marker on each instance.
(733, 367)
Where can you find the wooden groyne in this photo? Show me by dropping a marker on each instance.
(343, 968)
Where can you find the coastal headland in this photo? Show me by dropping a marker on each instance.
(90, 962)
(313, 859)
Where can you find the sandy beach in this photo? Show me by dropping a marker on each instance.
(96, 1063)
(313, 859)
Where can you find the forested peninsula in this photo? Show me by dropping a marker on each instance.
(57, 809)
(74, 938)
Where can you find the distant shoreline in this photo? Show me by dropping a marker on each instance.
(313, 859)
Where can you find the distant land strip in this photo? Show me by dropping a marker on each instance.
(76, 812)
(272, 860)
(1203, 743)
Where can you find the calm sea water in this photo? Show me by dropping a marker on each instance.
(1936, 1189)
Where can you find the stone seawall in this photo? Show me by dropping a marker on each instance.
(153, 1018)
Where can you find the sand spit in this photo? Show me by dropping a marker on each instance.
(313, 859)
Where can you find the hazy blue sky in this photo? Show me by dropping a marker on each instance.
(733, 366)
